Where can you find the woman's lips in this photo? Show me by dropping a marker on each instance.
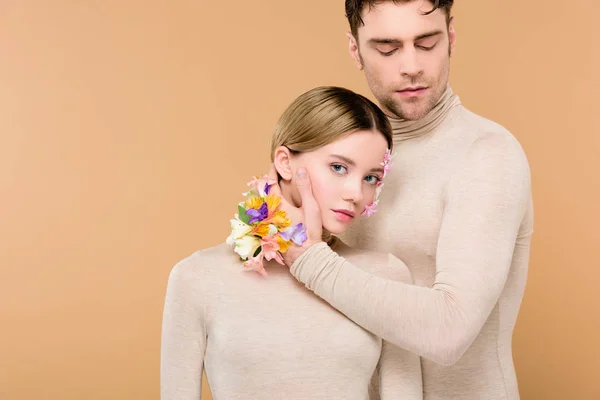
(344, 215)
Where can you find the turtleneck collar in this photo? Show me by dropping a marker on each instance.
(404, 129)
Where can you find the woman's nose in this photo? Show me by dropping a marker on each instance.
(353, 191)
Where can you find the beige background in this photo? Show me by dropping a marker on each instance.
(128, 130)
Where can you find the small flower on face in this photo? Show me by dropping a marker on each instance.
(296, 234)
(370, 209)
(387, 162)
(255, 264)
(258, 215)
(270, 249)
(238, 229)
(246, 246)
(378, 190)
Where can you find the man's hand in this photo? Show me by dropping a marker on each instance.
(309, 214)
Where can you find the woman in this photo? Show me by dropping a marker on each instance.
(268, 337)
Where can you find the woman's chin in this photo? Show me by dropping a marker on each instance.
(335, 227)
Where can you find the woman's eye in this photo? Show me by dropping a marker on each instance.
(372, 179)
(338, 168)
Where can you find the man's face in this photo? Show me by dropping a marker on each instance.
(405, 56)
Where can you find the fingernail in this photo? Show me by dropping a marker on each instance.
(301, 173)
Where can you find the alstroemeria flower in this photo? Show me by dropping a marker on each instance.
(246, 246)
(258, 215)
(272, 203)
(256, 264)
(238, 229)
(264, 229)
(253, 202)
(284, 245)
(260, 186)
(296, 234)
(270, 249)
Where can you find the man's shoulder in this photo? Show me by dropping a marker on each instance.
(483, 136)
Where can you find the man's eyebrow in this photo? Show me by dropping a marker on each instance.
(396, 41)
(350, 162)
(428, 34)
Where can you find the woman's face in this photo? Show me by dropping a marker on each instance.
(344, 177)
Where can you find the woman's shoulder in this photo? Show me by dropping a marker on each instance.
(205, 262)
(378, 263)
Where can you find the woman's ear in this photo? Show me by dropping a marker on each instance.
(283, 162)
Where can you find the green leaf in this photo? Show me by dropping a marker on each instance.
(257, 252)
(242, 214)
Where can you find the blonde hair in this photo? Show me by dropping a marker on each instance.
(325, 114)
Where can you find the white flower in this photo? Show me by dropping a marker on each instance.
(238, 229)
(246, 246)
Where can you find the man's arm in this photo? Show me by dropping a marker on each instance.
(485, 203)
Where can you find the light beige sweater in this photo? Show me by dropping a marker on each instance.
(457, 209)
(271, 338)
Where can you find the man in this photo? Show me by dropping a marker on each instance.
(456, 208)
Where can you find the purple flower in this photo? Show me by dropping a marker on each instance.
(296, 234)
(267, 188)
(258, 215)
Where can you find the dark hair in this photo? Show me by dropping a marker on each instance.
(325, 114)
(354, 9)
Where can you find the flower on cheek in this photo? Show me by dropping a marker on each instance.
(371, 208)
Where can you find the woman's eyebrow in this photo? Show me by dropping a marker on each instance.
(351, 162)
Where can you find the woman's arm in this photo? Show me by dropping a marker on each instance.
(183, 335)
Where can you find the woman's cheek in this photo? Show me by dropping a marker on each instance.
(319, 186)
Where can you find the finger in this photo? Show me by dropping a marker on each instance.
(312, 212)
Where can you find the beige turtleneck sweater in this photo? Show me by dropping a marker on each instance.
(457, 209)
(270, 338)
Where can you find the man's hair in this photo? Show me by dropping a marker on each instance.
(354, 9)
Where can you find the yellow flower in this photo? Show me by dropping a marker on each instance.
(283, 245)
(272, 203)
(254, 202)
(280, 220)
(264, 229)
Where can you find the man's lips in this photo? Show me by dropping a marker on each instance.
(412, 91)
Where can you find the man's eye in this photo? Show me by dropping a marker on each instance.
(426, 48)
(386, 53)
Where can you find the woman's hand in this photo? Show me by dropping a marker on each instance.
(309, 214)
